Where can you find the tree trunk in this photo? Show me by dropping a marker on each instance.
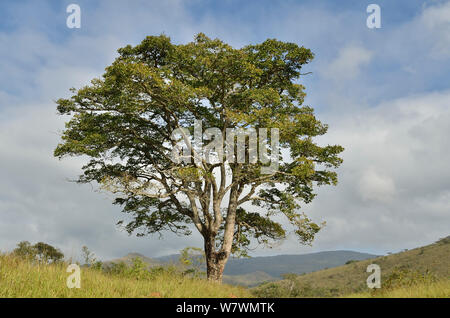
(215, 262)
(214, 271)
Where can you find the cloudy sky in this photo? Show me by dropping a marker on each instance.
(385, 94)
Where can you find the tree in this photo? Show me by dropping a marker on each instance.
(40, 251)
(89, 257)
(46, 253)
(25, 250)
(136, 125)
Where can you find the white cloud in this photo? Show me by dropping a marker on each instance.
(437, 21)
(376, 186)
(347, 65)
(395, 180)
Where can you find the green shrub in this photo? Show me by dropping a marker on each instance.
(404, 277)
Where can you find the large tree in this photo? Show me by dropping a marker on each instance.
(131, 121)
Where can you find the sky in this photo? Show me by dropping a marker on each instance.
(384, 92)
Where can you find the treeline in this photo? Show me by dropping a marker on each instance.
(40, 252)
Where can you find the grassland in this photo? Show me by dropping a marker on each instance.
(424, 270)
(421, 272)
(20, 278)
(439, 289)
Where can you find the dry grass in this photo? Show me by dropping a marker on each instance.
(440, 289)
(20, 278)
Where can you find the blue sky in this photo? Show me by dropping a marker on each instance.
(384, 92)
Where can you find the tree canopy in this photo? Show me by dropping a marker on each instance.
(40, 251)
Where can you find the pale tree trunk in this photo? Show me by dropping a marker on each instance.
(216, 260)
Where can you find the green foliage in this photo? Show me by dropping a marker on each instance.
(40, 251)
(97, 265)
(139, 270)
(25, 250)
(193, 260)
(350, 261)
(405, 277)
(47, 253)
(119, 268)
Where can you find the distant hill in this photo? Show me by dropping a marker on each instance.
(351, 278)
(128, 259)
(275, 266)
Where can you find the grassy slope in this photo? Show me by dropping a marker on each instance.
(351, 278)
(19, 278)
(440, 289)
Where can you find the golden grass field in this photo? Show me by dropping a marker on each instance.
(440, 289)
(20, 278)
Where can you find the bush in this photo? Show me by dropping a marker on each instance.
(402, 277)
(117, 268)
(138, 269)
(98, 265)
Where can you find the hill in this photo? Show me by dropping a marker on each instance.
(431, 261)
(277, 265)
